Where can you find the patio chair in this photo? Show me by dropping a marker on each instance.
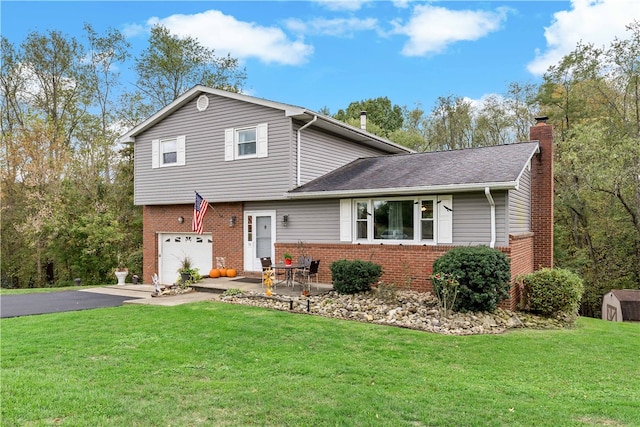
(308, 273)
(266, 265)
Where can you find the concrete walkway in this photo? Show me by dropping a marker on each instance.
(206, 290)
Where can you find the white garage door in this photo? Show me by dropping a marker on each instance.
(173, 247)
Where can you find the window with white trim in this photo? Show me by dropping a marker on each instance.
(415, 220)
(168, 152)
(246, 142)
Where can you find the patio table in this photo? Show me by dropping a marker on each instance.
(289, 277)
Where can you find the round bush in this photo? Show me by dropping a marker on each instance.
(484, 275)
(551, 292)
(351, 277)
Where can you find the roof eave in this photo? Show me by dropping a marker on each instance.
(361, 134)
(290, 110)
(430, 189)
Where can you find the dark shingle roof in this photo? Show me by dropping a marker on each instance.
(499, 165)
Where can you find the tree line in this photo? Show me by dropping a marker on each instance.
(67, 186)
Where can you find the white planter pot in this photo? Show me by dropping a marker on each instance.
(121, 275)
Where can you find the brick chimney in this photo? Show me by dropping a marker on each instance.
(542, 194)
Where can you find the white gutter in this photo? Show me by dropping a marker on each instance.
(487, 192)
(449, 188)
(298, 149)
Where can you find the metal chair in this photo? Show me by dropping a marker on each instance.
(268, 265)
(308, 272)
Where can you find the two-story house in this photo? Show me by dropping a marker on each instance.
(278, 175)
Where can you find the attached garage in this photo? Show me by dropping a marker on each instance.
(174, 247)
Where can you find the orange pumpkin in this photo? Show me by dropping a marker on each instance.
(214, 273)
(223, 272)
(231, 272)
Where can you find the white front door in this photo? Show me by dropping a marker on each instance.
(174, 247)
(259, 237)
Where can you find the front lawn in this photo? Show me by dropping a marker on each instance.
(218, 364)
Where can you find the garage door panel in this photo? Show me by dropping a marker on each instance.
(174, 247)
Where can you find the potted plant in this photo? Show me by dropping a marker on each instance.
(185, 270)
(121, 272)
(287, 258)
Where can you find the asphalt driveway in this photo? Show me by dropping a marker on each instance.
(56, 302)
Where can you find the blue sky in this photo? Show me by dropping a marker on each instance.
(319, 54)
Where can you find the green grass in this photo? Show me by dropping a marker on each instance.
(4, 291)
(217, 364)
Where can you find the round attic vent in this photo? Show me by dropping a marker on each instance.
(203, 102)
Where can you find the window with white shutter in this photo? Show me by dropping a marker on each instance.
(169, 152)
(246, 142)
(420, 220)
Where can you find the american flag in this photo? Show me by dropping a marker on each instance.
(199, 209)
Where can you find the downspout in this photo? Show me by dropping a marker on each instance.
(298, 162)
(487, 193)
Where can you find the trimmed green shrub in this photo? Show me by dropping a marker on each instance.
(351, 277)
(551, 292)
(483, 273)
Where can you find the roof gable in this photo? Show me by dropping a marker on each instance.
(326, 123)
(497, 167)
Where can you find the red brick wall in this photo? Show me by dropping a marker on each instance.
(542, 196)
(405, 266)
(408, 266)
(521, 260)
(227, 241)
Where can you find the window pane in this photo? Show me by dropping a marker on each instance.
(427, 209)
(361, 220)
(361, 230)
(248, 135)
(362, 210)
(427, 230)
(246, 142)
(169, 158)
(169, 152)
(246, 149)
(393, 219)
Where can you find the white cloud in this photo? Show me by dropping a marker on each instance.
(332, 27)
(242, 40)
(133, 30)
(349, 5)
(431, 28)
(588, 21)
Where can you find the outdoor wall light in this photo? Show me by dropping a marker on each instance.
(232, 221)
(180, 219)
(285, 220)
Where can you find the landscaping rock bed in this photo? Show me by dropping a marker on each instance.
(406, 309)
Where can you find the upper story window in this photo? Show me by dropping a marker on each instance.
(415, 220)
(168, 152)
(246, 145)
(246, 142)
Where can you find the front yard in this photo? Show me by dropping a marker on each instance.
(223, 364)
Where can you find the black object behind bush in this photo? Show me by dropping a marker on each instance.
(551, 292)
(484, 275)
(351, 277)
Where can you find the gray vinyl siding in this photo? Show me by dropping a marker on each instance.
(472, 219)
(319, 220)
(520, 205)
(312, 221)
(206, 171)
(322, 153)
